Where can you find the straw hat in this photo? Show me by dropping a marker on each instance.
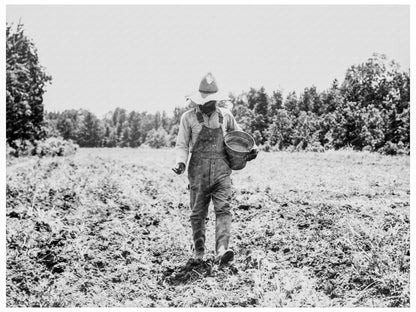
(208, 91)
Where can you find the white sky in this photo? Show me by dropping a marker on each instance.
(147, 58)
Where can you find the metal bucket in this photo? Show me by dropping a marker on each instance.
(237, 146)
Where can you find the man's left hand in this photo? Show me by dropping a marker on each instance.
(180, 168)
(252, 154)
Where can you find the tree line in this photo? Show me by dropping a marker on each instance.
(118, 128)
(368, 110)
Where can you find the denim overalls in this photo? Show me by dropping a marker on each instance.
(209, 178)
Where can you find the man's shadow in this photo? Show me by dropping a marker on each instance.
(196, 269)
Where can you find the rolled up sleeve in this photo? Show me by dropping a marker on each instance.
(182, 141)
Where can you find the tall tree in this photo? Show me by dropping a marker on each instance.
(375, 96)
(276, 103)
(25, 86)
(69, 124)
(91, 132)
(310, 101)
(258, 102)
(331, 98)
(291, 104)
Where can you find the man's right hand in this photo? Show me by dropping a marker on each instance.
(252, 154)
(180, 168)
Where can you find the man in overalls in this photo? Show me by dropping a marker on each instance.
(201, 132)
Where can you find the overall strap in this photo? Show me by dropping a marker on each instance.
(199, 116)
(220, 117)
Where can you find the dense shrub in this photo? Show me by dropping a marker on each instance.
(10, 151)
(391, 148)
(18, 148)
(54, 147)
(265, 147)
(157, 138)
(315, 147)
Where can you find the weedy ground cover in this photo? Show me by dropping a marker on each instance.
(110, 227)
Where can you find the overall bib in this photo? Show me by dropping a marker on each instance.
(209, 178)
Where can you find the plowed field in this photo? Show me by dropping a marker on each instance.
(110, 227)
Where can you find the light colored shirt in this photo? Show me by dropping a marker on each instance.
(190, 127)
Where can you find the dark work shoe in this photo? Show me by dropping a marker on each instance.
(227, 256)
